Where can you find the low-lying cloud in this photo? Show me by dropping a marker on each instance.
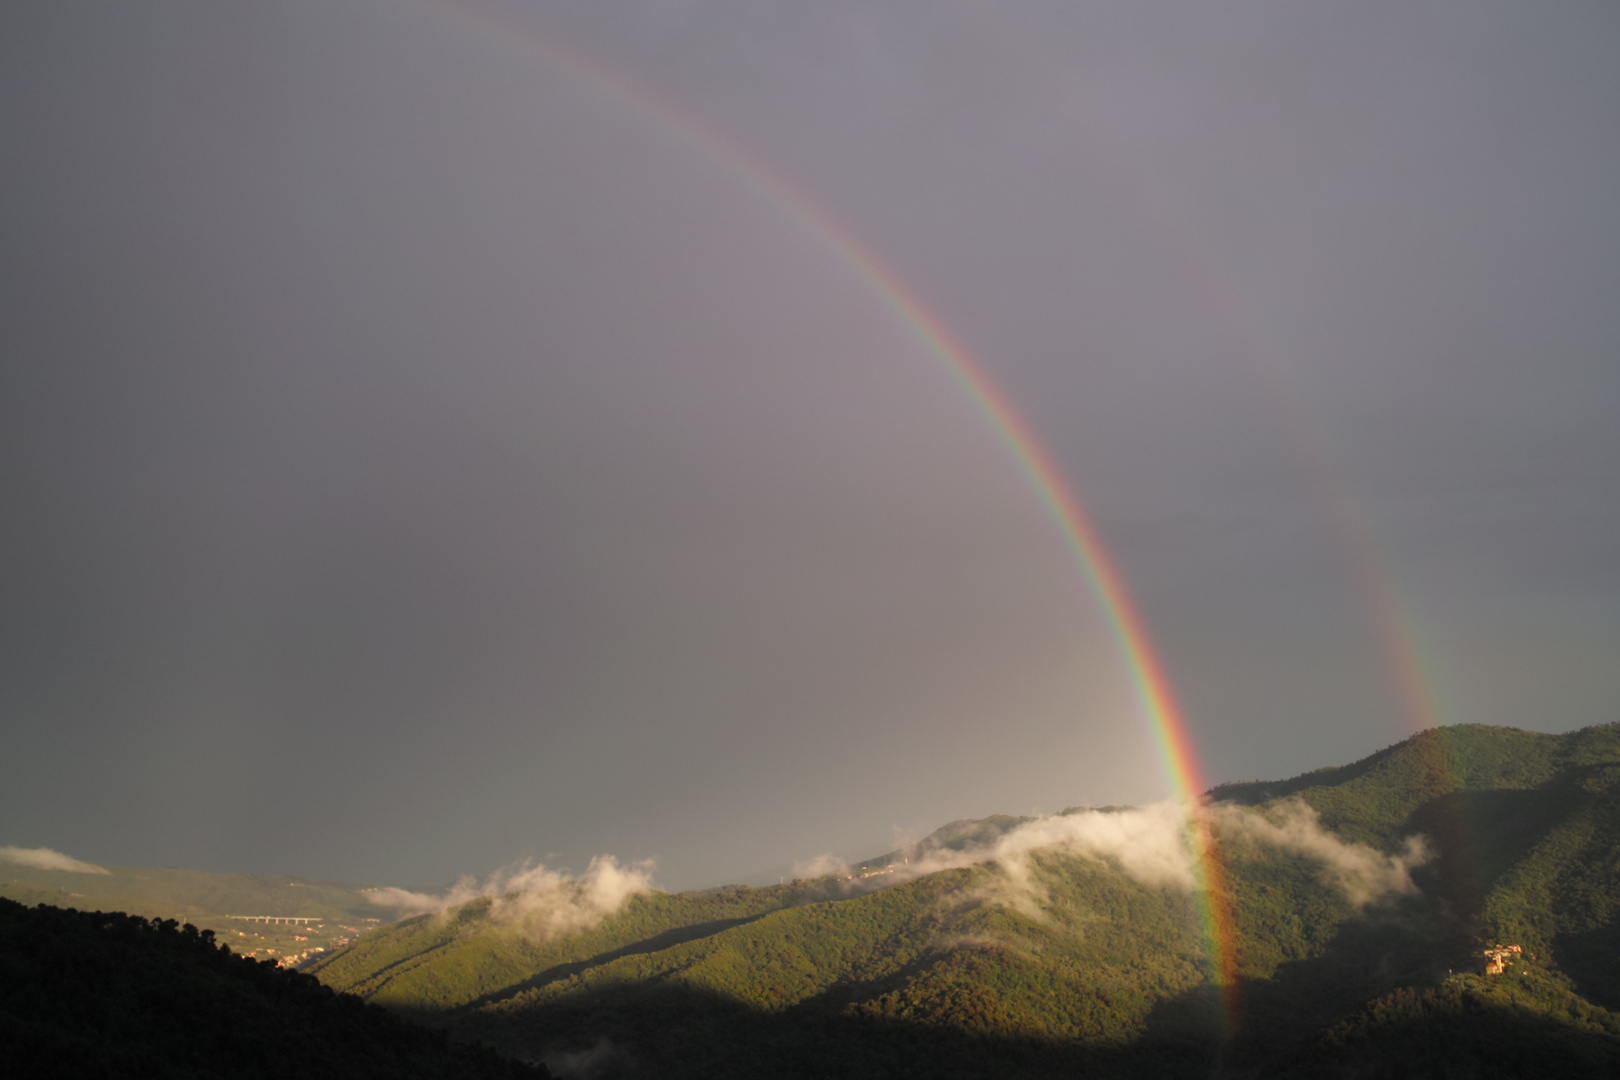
(1148, 843)
(41, 858)
(586, 1064)
(1151, 844)
(1365, 874)
(532, 899)
(821, 866)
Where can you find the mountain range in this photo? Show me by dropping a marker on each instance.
(1446, 907)
(1354, 908)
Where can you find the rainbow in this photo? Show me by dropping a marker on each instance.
(1080, 536)
(1413, 672)
(1411, 668)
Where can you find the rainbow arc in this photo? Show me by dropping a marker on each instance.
(1080, 536)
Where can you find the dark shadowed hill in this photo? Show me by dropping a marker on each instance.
(87, 994)
(1361, 898)
(1467, 1028)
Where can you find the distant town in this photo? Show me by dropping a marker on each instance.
(292, 941)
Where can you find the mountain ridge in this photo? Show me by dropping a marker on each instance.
(1090, 968)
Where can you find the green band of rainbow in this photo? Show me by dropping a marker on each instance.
(1085, 545)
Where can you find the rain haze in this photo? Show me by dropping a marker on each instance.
(436, 435)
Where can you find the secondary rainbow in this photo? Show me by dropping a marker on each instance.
(1413, 673)
(1085, 545)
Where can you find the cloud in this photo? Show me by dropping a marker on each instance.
(586, 1064)
(540, 902)
(821, 866)
(1150, 844)
(1365, 874)
(45, 859)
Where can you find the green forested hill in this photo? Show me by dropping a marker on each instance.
(1470, 1026)
(1527, 828)
(1086, 969)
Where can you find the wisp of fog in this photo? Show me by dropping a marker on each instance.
(536, 901)
(1150, 844)
(45, 859)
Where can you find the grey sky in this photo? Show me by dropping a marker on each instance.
(414, 457)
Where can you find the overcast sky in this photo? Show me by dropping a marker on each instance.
(418, 452)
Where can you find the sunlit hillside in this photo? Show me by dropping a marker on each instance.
(1358, 926)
